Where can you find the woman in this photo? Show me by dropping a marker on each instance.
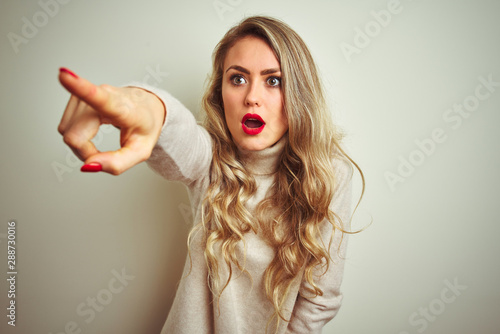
(269, 183)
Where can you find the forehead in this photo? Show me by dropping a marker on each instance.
(252, 53)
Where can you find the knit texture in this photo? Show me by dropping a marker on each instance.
(183, 153)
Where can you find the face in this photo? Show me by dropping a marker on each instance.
(251, 91)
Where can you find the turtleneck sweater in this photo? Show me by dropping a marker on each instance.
(183, 153)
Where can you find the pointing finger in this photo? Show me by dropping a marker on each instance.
(95, 96)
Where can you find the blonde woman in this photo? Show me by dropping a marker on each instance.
(269, 183)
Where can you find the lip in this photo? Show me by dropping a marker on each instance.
(252, 131)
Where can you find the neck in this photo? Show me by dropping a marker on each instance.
(263, 162)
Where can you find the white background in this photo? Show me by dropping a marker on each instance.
(439, 223)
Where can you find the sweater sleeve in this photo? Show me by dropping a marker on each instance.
(184, 149)
(311, 314)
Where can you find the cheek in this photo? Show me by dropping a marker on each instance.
(225, 103)
(284, 125)
(233, 113)
(230, 111)
(285, 122)
(282, 119)
(228, 100)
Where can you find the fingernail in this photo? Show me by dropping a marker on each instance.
(91, 167)
(65, 70)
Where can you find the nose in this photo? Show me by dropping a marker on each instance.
(254, 95)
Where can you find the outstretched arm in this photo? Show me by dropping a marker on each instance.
(183, 151)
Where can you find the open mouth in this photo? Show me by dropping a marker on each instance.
(252, 124)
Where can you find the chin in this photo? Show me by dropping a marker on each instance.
(251, 145)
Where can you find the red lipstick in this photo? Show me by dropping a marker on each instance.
(252, 124)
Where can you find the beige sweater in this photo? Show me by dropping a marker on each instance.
(183, 153)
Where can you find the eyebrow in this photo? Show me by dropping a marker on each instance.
(244, 70)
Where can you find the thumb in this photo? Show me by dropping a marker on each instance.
(134, 151)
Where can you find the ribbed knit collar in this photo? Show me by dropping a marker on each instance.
(264, 162)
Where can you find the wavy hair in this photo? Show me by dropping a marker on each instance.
(305, 181)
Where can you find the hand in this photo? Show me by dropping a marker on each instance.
(138, 114)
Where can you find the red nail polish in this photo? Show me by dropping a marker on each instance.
(65, 70)
(91, 167)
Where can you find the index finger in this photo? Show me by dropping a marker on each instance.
(95, 96)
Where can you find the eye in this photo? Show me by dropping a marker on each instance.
(274, 81)
(237, 80)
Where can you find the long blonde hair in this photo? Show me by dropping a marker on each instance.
(305, 181)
